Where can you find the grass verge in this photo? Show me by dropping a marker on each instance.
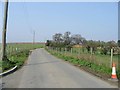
(99, 70)
(17, 54)
(16, 59)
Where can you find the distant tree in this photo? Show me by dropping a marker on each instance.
(118, 43)
(77, 39)
(57, 37)
(111, 44)
(88, 48)
(67, 38)
(48, 42)
(92, 44)
(83, 41)
(104, 50)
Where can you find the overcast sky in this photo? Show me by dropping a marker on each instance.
(93, 20)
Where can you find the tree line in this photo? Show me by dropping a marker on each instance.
(67, 40)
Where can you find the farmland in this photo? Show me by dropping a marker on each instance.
(98, 63)
(17, 53)
(94, 56)
(95, 63)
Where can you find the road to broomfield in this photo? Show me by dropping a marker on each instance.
(46, 71)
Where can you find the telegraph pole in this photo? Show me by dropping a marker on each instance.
(3, 55)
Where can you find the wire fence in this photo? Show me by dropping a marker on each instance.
(15, 48)
(93, 57)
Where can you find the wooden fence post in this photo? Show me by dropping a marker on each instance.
(71, 50)
(91, 50)
(111, 58)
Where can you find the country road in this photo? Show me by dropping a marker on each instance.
(46, 71)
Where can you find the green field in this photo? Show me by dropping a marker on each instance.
(14, 48)
(98, 63)
(97, 58)
(17, 53)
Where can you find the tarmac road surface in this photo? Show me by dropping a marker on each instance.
(46, 71)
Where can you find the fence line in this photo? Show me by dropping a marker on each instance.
(93, 57)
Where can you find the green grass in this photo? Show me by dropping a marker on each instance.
(20, 47)
(17, 56)
(99, 64)
(99, 59)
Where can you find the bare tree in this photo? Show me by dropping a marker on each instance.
(57, 37)
(77, 39)
(67, 38)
